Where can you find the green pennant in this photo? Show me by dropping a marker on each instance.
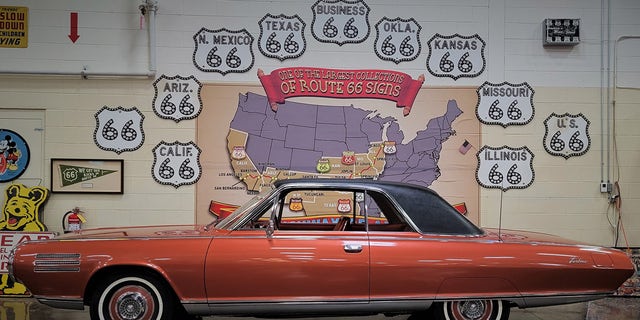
(73, 174)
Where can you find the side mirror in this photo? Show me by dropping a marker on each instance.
(270, 229)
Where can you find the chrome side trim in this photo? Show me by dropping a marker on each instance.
(75, 304)
(57, 262)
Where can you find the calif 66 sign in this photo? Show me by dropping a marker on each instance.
(176, 163)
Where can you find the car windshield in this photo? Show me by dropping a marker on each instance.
(236, 215)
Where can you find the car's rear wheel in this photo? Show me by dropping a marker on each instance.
(471, 310)
(141, 297)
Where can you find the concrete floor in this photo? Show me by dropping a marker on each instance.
(605, 309)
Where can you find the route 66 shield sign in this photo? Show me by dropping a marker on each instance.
(340, 21)
(176, 163)
(397, 39)
(118, 129)
(505, 103)
(177, 98)
(566, 135)
(456, 56)
(505, 167)
(223, 50)
(281, 37)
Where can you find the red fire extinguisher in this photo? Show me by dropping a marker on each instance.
(73, 220)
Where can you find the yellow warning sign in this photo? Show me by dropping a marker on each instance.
(14, 27)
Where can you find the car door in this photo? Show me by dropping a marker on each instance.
(305, 260)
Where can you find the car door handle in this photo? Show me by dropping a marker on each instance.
(352, 248)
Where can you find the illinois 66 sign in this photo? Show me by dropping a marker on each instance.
(176, 163)
(505, 167)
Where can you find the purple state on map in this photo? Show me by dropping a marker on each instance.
(299, 134)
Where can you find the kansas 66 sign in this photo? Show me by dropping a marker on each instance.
(176, 163)
(118, 129)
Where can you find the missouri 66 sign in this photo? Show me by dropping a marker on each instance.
(176, 163)
(118, 129)
(566, 135)
(505, 167)
(505, 103)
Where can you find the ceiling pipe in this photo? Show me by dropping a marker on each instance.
(149, 8)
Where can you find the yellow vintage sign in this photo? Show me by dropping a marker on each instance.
(14, 27)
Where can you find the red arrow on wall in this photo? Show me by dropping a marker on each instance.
(73, 22)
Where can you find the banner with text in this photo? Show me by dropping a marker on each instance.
(336, 83)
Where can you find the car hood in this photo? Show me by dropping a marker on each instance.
(167, 231)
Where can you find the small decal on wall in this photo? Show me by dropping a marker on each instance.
(176, 163)
(505, 167)
(567, 135)
(340, 21)
(282, 37)
(398, 39)
(223, 50)
(14, 155)
(177, 98)
(119, 129)
(456, 56)
(505, 103)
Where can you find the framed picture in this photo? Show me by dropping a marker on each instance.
(87, 176)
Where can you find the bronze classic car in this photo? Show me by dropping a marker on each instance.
(318, 247)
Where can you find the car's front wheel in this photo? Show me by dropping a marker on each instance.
(471, 310)
(142, 297)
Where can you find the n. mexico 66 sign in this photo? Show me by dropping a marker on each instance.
(176, 163)
(566, 135)
(456, 56)
(223, 50)
(505, 167)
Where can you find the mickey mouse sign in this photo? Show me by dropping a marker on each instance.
(14, 155)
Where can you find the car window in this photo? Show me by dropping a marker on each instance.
(336, 210)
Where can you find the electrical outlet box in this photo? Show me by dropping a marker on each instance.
(605, 187)
(561, 32)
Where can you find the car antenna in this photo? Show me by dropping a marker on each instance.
(500, 216)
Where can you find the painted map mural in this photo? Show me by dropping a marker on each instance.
(303, 140)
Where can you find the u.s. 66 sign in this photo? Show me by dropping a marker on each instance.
(566, 135)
